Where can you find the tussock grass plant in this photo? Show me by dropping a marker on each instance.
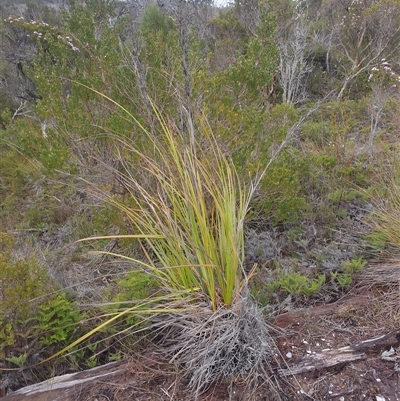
(190, 221)
(385, 222)
(188, 214)
(386, 216)
(187, 206)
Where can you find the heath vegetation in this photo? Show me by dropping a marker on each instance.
(174, 175)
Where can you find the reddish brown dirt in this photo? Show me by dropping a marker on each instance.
(368, 313)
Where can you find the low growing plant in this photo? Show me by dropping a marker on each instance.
(22, 282)
(31, 306)
(296, 283)
(57, 321)
(135, 285)
(343, 279)
(354, 265)
(349, 267)
(19, 360)
(7, 337)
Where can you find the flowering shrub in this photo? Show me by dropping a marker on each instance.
(384, 77)
(384, 84)
(40, 30)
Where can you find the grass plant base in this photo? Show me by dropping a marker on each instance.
(231, 344)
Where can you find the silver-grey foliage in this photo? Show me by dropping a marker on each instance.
(232, 344)
(294, 66)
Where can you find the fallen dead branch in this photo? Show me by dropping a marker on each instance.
(333, 357)
(64, 387)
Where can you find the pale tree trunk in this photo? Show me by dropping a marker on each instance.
(294, 66)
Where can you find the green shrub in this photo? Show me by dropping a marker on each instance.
(343, 279)
(22, 282)
(283, 197)
(349, 267)
(135, 285)
(18, 360)
(30, 307)
(7, 336)
(319, 132)
(354, 265)
(56, 321)
(297, 284)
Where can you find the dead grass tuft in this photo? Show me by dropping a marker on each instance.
(229, 344)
